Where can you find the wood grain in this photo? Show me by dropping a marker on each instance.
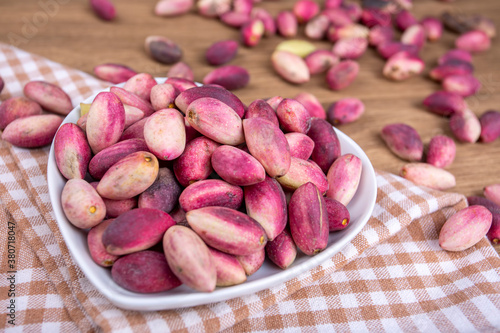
(74, 36)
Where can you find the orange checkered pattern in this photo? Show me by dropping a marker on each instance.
(393, 276)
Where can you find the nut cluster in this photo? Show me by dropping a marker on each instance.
(160, 172)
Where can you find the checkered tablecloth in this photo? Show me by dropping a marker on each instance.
(393, 276)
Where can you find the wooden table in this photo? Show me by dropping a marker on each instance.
(74, 36)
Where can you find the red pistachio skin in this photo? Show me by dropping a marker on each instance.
(211, 8)
(455, 54)
(389, 48)
(424, 174)
(103, 160)
(33, 131)
(293, 116)
(338, 17)
(211, 192)
(194, 164)
(163, 49)
(274, 101)
(312, 104)
(464, 22)
(353, 10)
(188, 96)
(490, 126)
(252, 32)
(170, 8)
(231, 77)
(490, 205)
(81, 204)
(104, 9)
(301, 145)
(268, 145)
(144, 272)
(282, 251)
(494, 232)
(373, 16)
(302, 172)
(350, 48)
(228, 230)
(234, 19)
(404, 19)
(475, 41)
(105, 121)
(441, 151)
(96, 247)
(451, 67)
(115, 208)
(338, 215)
(180, 83)
(228, 268)
(17, 107)
(266, 18)
(163, 194)
(465, 126)
(134, 131)
(189, 258)
(72, 151)
(492, 193)
(221, 52)
(433, 28)
(462, 84)
(380, 34)
(260, 108)
(404, 141)
(290, 67)
(165, 134)
(342, 75)
(445, 103)
(350, 31)
(82, 122)
(345, 110)
(333, 3)
(414, 35)
(326, 143)
(252, 262)
(265, 202)
(129, 177)
(50, 96)
(127, 233)
(237, 167)
(465, 228)
(243, 6)
(181, 70)
(162, 96)
(141, 85)
(320, 61)
(216, 120)
(114, 73)
(317, 27)
(308, 219)
(132, 99)
(402, 66)
(343, 178)
(286, 24)
(305, 10)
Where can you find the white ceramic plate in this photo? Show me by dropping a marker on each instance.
(267, 276)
